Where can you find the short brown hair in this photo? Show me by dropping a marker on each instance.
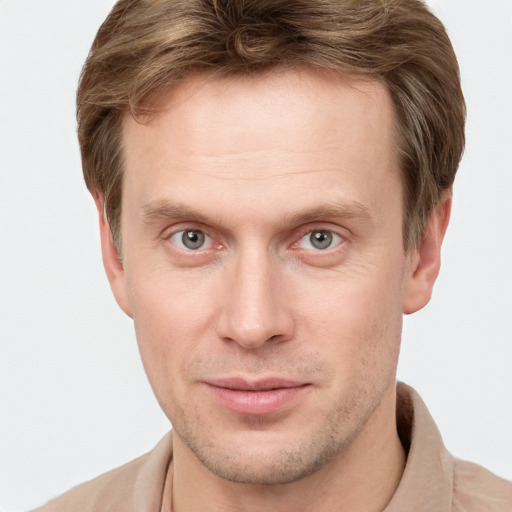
(146, 46)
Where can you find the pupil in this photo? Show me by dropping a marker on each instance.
(321, 239)
(193, 239)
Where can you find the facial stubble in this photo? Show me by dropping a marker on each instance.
(310, 450)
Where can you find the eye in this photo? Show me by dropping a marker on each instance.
(191, 240)
(320, 240)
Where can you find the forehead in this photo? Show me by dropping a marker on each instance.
(294, 99)
(287, 130)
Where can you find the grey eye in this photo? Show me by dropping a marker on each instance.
(191, 240)
(321, 239)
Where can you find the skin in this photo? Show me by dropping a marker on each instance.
(257, 165)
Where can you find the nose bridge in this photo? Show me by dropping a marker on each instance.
(254, 310)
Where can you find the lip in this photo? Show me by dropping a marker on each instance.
(256, 397)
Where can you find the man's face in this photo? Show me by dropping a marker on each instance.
(263, 266)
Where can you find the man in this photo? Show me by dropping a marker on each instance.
(273, 182)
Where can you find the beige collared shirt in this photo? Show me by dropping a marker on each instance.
(433, 480)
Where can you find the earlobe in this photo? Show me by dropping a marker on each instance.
(425, 260)
(111, 260)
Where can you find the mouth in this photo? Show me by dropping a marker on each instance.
(256, 397)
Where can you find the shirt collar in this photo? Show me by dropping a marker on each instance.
(427, 481)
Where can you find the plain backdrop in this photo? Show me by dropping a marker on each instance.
(74, 398)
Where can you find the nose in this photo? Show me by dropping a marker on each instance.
(254, 309)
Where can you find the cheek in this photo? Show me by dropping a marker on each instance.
(356, 321)
(350, 321)
(171, 318)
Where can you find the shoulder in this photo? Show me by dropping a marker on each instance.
(476, 488)
(101, 493)
(435, 480)
(134, 486)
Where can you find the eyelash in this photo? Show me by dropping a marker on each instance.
(207, 239)
(179, 231)
(337, 240)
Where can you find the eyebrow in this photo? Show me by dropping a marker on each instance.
(349, 210)
(162, 209)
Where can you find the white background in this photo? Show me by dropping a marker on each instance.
(74, 398)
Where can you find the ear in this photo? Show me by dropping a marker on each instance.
(425, 260)
(111, 260)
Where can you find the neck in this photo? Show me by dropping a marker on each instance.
(363, 477)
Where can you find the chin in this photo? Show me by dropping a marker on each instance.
(262, 455)
(268, 466)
